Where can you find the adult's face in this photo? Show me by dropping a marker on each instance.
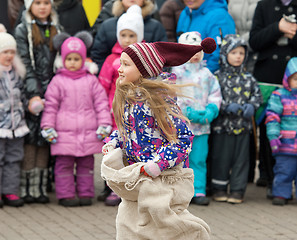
(129, 3)
(193, 4)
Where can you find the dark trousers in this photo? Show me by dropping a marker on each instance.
(230, 162)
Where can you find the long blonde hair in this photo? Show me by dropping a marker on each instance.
(160, 98)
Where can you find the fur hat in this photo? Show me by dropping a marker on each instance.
(79, 43)
(7, 42)
(131, 20)
(150, 58)
(28, 3)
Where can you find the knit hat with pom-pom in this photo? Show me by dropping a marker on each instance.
(150, 58)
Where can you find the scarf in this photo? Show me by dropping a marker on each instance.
(73, 74)
(286, 2)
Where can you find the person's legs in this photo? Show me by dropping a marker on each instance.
(197, 160)
(85, 176)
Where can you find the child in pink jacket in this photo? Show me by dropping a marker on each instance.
(76, 114)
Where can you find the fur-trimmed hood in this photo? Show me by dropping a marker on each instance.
(147, 8)
(18, 65)
(91, 67)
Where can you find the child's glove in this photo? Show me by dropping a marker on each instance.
(275, 144)
(248, 110)
(103, 132)
(107, 148)
(150, 169)
(234, 108)
(50, 135)
(36, 105)
(195, 115)
(211, 112)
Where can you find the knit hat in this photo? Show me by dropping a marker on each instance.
(73, 45)
(150, 58)
(28, 3)
(131, 20)
(7, 42)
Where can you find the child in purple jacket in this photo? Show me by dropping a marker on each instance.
(75, 117)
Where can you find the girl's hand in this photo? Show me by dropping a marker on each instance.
(107, 148)
(287, 28)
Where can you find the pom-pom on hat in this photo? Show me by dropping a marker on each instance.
(150, 58)
(7, 42)
(131, 20)
(28, 3)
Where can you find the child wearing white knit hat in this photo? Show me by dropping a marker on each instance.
(13, 126)
(130, 29)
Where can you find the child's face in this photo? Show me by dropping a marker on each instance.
(293, 81)
(41, 9)
(196, 58)
(193, 4)
(6, 57)
(73, 62)
(127, 37)
(129, 3)
(128, 72)
(236, 56)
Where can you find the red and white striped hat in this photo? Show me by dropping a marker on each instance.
(150, 58)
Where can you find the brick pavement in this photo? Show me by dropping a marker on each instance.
(255, 219)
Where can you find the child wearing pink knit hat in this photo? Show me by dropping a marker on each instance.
(154, 181)
(75, 119)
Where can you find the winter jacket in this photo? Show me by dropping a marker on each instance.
(211, 19)
(114, 8)
(237, 86)
(209, 91)
(109, 75)
(12, 116)
(169, 14)
(39, 66)
(146, 143)
(75, 108)
(106, 37)
(281, 115)
(264, 39)
(72, 16)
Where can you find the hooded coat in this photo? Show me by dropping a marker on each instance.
(281, 121)
(39, 66)
(75, 107)
(237, 86)
(211, 19)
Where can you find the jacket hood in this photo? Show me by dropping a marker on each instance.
(290, 70)
(146, 10)
(211, 4)
(18, 65)
(117, 49)
(230, 42)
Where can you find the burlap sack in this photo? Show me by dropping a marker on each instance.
(153, 208)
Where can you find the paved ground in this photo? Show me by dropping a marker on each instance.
(255, 219)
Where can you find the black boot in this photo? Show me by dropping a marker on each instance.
(40, 186)
(26, 186)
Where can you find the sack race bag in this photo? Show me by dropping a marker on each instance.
(152, 208)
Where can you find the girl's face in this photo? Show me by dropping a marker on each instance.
(293, 81)
(236, 56)
(193, 4)
(196, 58)
(6, 57)
(41, 9)
(73, 62)
(129, 3)
(127, 37)
(128, 72)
